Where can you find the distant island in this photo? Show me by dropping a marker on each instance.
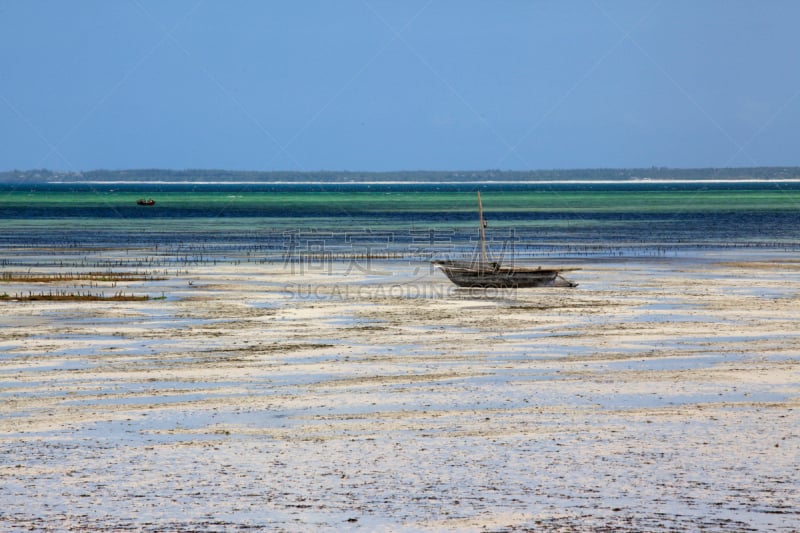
(343, 176)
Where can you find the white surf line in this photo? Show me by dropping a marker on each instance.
(484, 182)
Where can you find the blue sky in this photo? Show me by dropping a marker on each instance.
(392, 85)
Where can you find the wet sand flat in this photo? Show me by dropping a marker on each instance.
(659, 394)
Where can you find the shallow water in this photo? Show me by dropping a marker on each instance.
(284, 221)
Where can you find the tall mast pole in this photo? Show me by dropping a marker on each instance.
(484, 262)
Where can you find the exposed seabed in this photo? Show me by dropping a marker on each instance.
(661, 394)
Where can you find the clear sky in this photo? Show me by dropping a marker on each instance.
(401, 84)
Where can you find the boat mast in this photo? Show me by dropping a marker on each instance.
(483, 231)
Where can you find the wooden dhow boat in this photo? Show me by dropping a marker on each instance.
(494, 275)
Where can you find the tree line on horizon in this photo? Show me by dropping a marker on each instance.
(343, 176)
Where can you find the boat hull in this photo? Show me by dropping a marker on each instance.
(495, 276)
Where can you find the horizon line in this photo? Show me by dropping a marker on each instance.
(286, 171)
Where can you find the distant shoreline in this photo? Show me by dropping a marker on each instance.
(589, 176)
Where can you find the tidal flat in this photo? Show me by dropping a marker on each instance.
(661, 394)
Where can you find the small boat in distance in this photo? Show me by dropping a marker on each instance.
(494, 275)
(149, 201)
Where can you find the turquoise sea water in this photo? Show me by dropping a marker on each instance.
(530, 219)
